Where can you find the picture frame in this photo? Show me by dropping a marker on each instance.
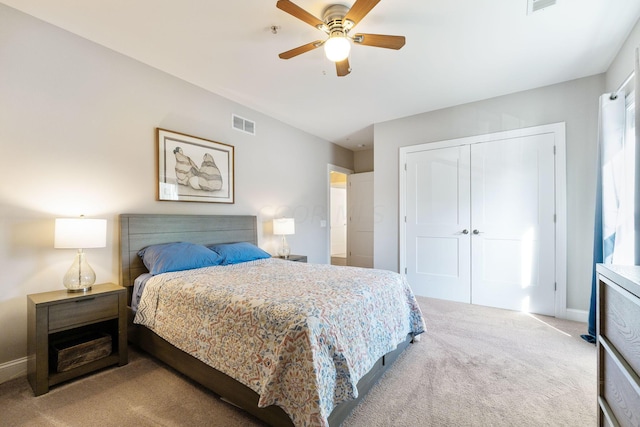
(193, 169)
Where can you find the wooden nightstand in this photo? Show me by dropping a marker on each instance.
(295, 258)
(58, 316)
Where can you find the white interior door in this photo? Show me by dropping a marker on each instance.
(512, 220)
(338, 221)
(361, 214)
(438, 223)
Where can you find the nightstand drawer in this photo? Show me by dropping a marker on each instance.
(80, 311)
(295, 258)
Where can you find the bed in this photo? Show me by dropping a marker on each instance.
(335, 375)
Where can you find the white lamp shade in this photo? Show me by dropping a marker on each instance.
(282, 226)
(337, 48)
(80, 233)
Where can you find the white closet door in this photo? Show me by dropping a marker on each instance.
(513, 226)
(438, 223)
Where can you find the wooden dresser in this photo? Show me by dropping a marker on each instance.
(618, 330)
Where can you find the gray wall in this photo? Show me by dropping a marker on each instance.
(574, 102)
(77, 132)
(623, 63)
(363, 161)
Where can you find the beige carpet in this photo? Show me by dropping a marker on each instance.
(476, 366)
(480, 366)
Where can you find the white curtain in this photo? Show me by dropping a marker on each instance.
(617, 219)
(609, 190)
(611, 141)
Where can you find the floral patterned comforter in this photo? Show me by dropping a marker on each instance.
(300, 335)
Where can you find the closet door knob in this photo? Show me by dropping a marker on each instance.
(465, 231)
(476, 232)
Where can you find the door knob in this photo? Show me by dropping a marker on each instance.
(476, 232)
(465, 231)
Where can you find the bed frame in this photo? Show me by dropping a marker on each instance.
(140, 230)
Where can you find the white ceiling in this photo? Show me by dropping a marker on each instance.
(457, 51)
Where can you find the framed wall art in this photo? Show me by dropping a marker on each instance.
(193, 169)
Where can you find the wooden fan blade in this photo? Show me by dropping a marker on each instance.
(298, 12)
(342, 68)
(380, 40)
(300, 50)
(360, 9)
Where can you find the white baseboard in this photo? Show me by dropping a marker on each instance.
(13, 369)
(578, 315)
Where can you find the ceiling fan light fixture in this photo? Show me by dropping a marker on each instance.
(337, 22)
(337, 48)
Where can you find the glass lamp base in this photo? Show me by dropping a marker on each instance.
(80, 275)
(87, 289)
(284, 249)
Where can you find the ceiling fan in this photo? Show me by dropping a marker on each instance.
(337, 21)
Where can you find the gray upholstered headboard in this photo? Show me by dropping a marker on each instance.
(141, 230)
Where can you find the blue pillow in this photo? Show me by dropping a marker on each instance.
(234, 253)
(177, 257)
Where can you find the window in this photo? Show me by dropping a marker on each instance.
(625, 236)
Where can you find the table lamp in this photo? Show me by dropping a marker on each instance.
(283, 227)
(80, 233)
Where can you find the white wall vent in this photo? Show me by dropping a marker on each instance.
(243, 125)
(536, 5)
